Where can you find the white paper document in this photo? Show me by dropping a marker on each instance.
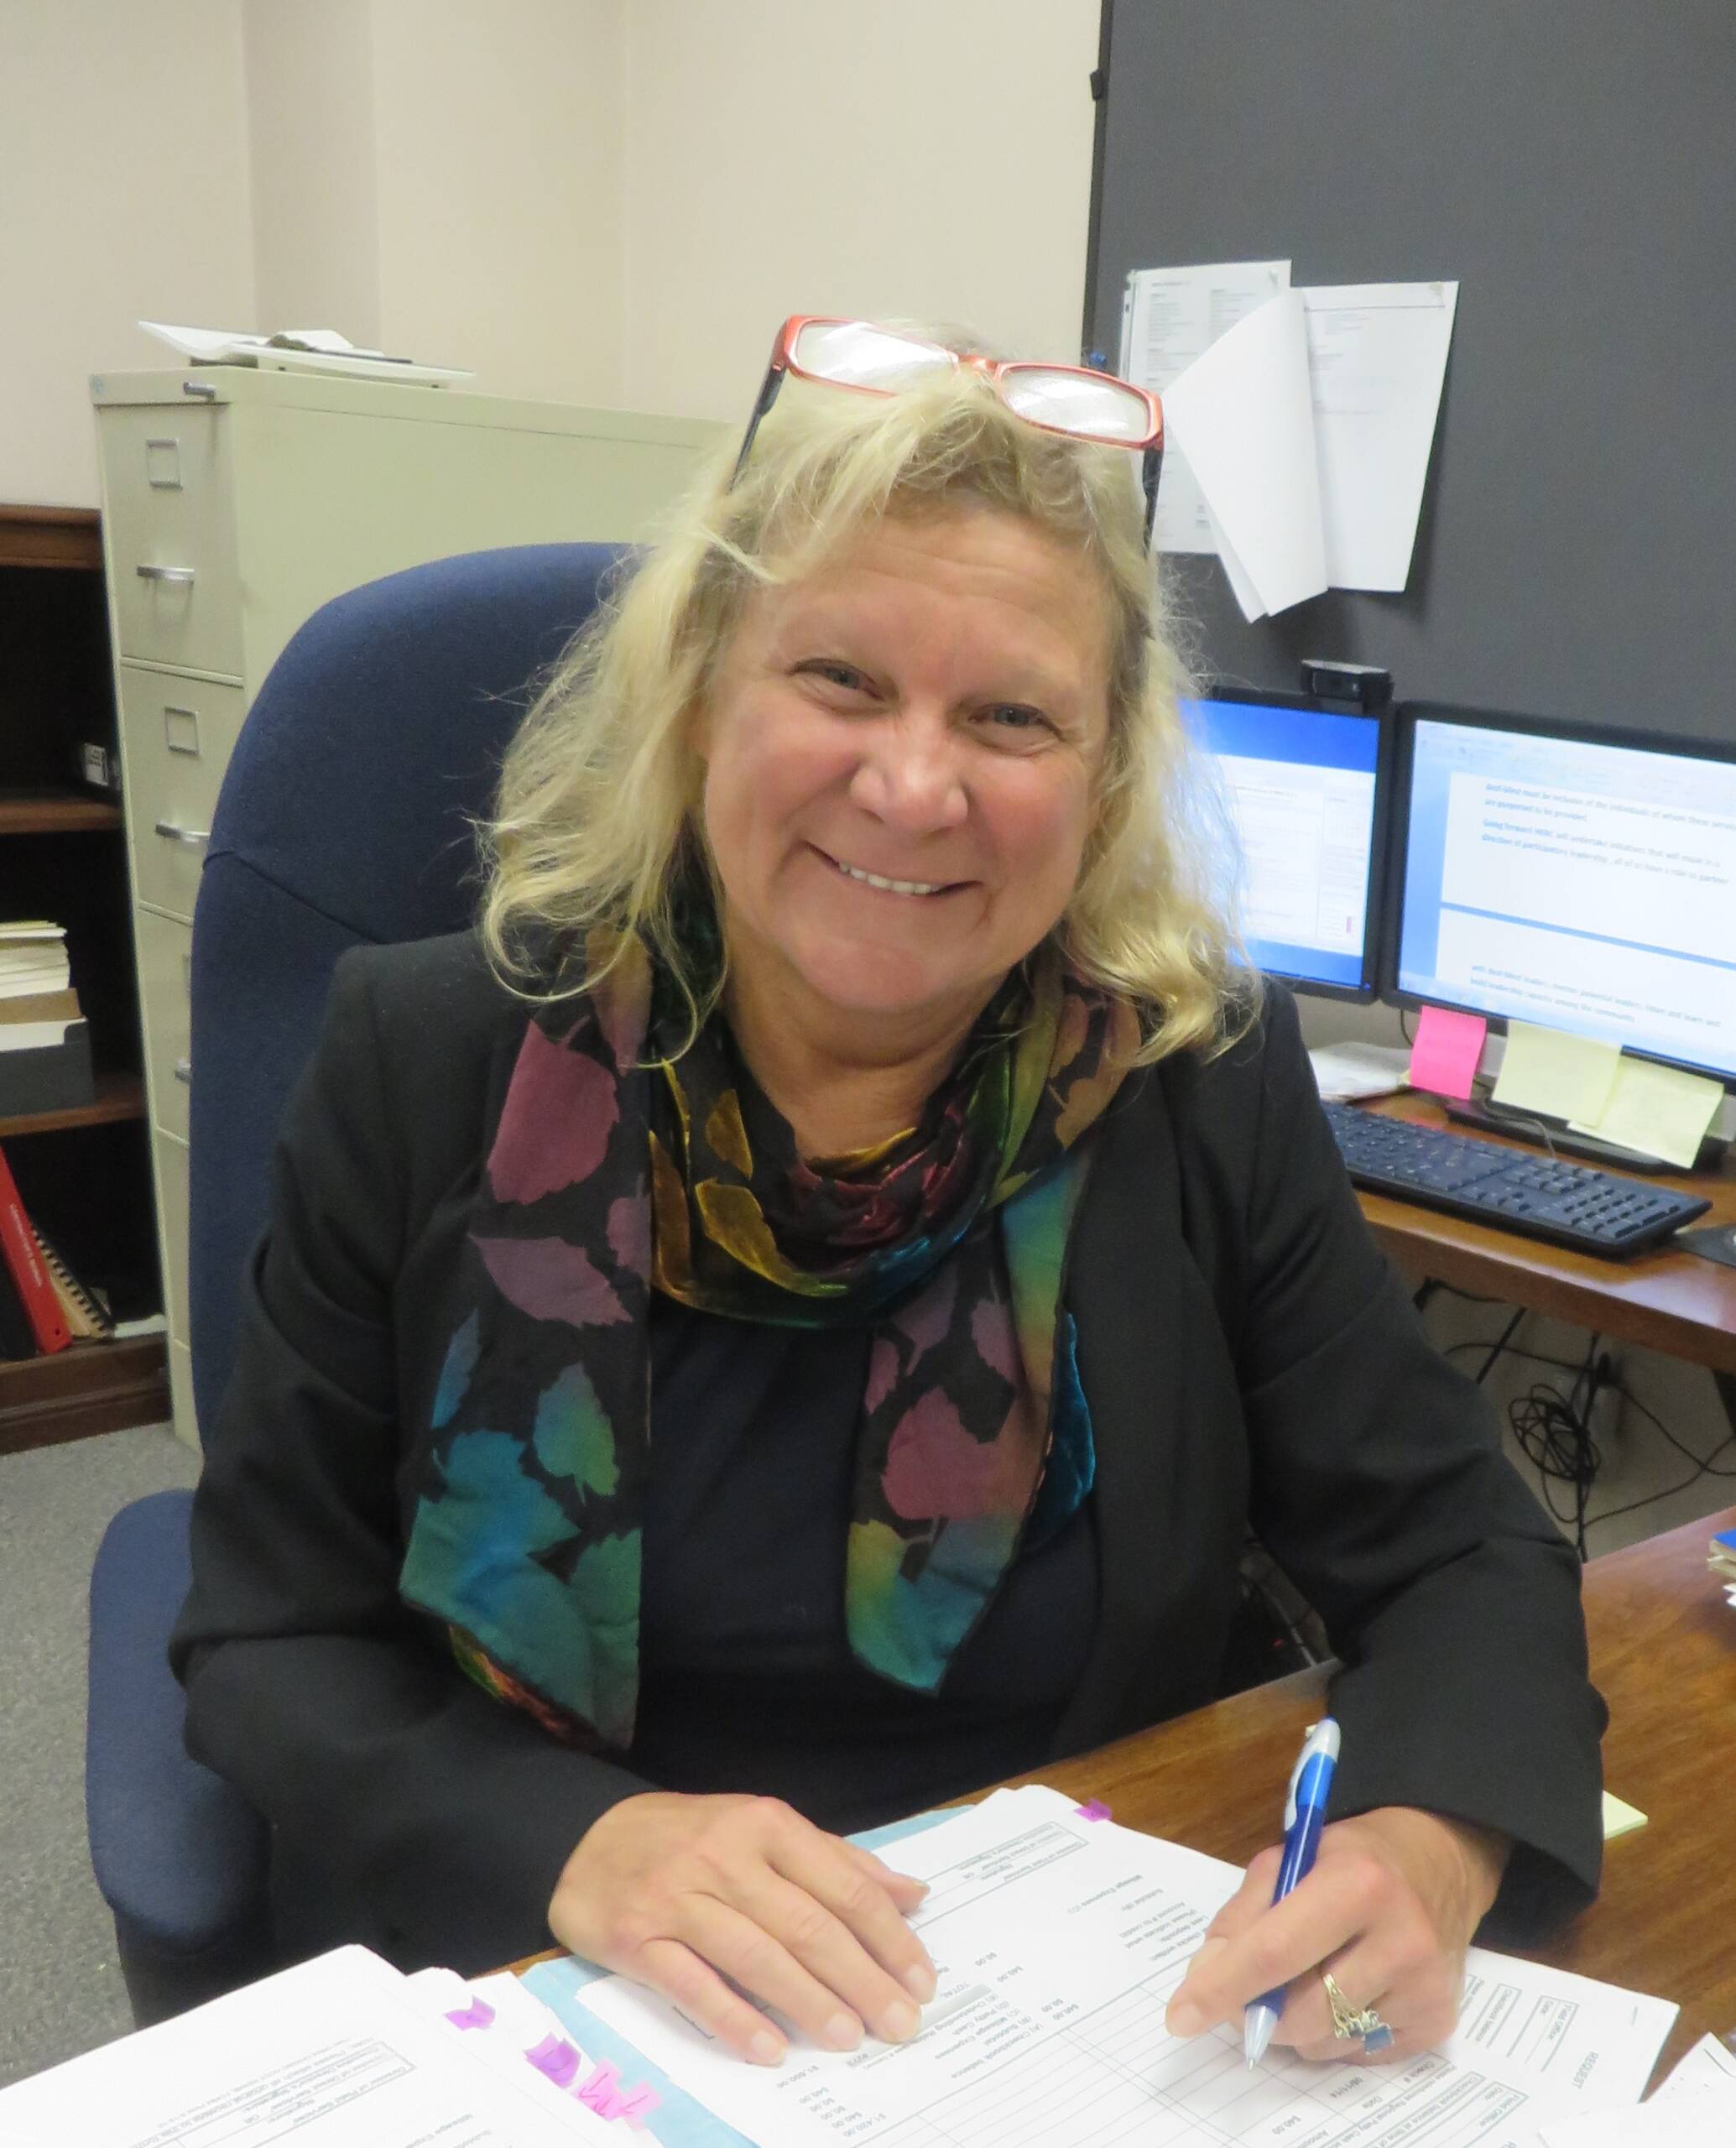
(1243, 416)
(332, 2054)
(1057, 1939)
(1696, 2108)
(1169, 318)
(313, 350)
(1377, 360)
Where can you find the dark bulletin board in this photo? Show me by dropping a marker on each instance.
(1573, 164)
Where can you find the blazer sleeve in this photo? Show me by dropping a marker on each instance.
(1379, 1485)
(407, 1807)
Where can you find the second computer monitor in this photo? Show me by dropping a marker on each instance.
(1305, 786)
(1577, 878)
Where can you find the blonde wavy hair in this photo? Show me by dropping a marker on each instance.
(597, 821)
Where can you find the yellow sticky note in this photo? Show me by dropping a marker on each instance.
(1658, 1110)
(1619, 1819)
(1548, 1070)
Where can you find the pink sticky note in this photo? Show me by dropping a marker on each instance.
(1445, 1055)
(1096, 1810)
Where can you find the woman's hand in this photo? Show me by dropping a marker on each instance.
(1388, 1909)
(683, 1893)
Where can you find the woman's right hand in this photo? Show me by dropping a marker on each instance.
(683, 1893)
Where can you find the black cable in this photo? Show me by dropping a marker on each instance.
(1554, 1431)
(1496, 1347)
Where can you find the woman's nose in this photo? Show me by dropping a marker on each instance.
(909, 776)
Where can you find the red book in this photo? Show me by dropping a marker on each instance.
(23, 1258)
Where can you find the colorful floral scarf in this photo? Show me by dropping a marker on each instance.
(617, 1170)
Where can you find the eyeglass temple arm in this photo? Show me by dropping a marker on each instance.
(767, 395)
(1151, 471)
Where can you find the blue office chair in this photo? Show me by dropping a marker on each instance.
(345, 817)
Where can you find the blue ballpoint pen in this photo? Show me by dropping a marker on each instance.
(1311, 1784)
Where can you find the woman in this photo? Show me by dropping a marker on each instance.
(794, 1321)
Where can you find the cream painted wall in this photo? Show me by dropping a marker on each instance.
(592, 200)
(498, 141)
(927, 158)
(310, 133)
(124, 192)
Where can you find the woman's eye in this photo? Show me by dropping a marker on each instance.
(1013, 718)
(835, 672)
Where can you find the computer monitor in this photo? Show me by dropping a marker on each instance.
(1579, 878)
(1306, 786)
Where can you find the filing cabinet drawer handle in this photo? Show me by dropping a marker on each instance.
(202, 389)
(183, 1071)
(195, 838)
(165, 574)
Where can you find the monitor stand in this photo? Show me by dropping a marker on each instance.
(1545, 1133)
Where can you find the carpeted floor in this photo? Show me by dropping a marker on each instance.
(62, 1986)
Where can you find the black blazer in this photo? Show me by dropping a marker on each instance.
(1249, 1355)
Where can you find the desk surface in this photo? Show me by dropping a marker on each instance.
(1674, 1302)
(1663, 1650)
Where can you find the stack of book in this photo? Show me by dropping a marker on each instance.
(45, 1039)
(43, 1305)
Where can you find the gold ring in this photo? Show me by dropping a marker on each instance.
(1349, 2025)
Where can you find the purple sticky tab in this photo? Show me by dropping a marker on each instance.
(477, 2015)
(1096, 1810)
(601, 2093)
(557, 2059)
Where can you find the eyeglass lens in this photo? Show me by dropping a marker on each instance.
(862, 356)
(1077, 403)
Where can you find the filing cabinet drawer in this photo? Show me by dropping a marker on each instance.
(181, 1392)
(172, 1179)
(176, 738)
(177, 584)
(165, 959)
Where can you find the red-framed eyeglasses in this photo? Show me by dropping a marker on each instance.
(1073, 400)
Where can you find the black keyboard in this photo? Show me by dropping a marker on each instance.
(1569, 1204)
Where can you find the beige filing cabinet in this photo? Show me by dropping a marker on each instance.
(236, 501)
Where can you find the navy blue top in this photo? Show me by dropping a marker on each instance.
(747, 1679)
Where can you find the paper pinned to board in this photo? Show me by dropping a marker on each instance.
(1373, 362)
(1242, 415)
(1377, 363)
(1169, 318)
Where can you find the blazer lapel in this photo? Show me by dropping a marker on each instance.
(1170, 1494)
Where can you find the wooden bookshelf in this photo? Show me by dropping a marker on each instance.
(120, 1095)
(51, 537)
(83, 1173)
(92, 1387)
(54, 813)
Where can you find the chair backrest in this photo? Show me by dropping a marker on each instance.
(345, 817)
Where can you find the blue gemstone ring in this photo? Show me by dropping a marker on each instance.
(1352, 2025)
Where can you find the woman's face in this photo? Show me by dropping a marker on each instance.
(931, 711)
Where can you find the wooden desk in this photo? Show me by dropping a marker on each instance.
(1663, 1649)
(1674, 1302)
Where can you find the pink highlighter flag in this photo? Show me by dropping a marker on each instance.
(1445, 1055)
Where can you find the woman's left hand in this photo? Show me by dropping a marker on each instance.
(1388, 1910)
